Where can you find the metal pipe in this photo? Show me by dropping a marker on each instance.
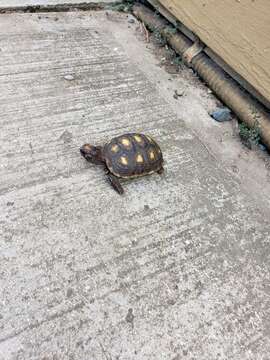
(246, 108)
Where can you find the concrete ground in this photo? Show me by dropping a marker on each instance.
(21, 3)
(178, 267)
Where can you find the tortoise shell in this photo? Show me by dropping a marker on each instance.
(132, 155)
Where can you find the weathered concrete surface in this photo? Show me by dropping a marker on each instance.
(187, 252)
(22, 3)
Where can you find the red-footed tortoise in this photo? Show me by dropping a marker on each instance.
(126, 156)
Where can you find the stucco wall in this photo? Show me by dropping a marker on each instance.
(237, 30)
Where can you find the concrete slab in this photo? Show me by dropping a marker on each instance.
(177, 268)
(45, 3)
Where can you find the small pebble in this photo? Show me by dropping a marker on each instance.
(69, 77)
(131, 21)
(177, 94)
(235, 169)
(262, 147)
(130, 316)
(221, 114)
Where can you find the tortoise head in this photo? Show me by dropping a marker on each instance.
(92, 153)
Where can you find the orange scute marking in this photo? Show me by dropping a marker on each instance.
(138, 138)
(125, 142)
(139, 159)
(152, 155)
(124, 160)
(115, 148)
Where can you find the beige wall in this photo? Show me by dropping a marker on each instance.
(237, 30)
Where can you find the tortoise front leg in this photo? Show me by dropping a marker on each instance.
(161, 170)
(115, 183)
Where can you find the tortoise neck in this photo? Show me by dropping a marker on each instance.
(99, 159)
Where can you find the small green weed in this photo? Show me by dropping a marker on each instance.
(178, 61)
(124, 6)
(250, 136)
(159, 38)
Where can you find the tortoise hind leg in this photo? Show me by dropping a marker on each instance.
(115, 183)
(161, 170)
